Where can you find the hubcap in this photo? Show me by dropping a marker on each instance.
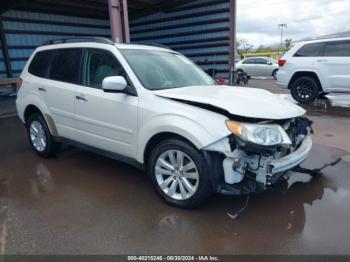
(304, 89)
(37, 136)
(177, 174)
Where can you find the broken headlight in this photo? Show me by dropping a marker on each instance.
(261, 134)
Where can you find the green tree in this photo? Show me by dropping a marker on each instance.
(264, 49)
(244, 46)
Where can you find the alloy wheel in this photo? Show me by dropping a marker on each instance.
(37, 136)
(305, 89)
(177, 174)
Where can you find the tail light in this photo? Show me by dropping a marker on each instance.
(221, 81)
(282, 62)
(19, 82)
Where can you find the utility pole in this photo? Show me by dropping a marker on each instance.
(282, 27)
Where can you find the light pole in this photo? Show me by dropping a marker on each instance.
(282, 27)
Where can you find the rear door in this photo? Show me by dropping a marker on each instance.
(334, 65)
(106, 121)
(249, 66)
(60, 89)
(306, 56)
(38, 74)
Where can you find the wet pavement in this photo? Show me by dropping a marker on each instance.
(7, 106)
(82, 203)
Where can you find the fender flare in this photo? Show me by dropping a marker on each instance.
(308, 71)
(34, 100)
(187, 128)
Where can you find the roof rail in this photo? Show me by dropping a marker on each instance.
(153, 44)
(93, 39)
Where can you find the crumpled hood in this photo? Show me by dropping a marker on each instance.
(240, 101)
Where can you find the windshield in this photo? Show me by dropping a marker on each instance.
(159, 70)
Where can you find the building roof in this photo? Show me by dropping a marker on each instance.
(88, 8)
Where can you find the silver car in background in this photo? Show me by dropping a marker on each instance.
(258, 66)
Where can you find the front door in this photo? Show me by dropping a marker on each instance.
(106, 121)
(262, 67)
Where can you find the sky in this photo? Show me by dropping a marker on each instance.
(257, 20)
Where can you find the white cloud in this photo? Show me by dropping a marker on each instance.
(257, 20)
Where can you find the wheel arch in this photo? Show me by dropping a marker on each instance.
(195, 133)
(305, 73)
(33, 109)
(157, 138)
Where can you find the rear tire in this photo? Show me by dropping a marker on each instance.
(305, 89)
(179, 174)
(40, 137)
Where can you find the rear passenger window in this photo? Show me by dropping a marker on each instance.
(310, 50)
(66, 65)
(261, 61)
(40, 64)
(337, 49)
(249, 61)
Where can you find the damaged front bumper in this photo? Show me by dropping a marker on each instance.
(247, 168)
(292, 160)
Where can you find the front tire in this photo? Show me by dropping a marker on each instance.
(40, 137)
(305, 89)
(179, 174)
(274, 74)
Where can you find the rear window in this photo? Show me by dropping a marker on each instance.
(66, 65)
(40, 63)
(310, 50)
(337, 49)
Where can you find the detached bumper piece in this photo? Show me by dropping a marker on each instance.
(292, 160)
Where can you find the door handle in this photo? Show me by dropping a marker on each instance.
(321, 60)
(81, 98)
(41, 89)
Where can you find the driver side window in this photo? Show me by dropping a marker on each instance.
(99, 64)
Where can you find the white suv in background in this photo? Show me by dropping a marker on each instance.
(316, 68)
(154, 108)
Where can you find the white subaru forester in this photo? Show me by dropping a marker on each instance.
(154, 108)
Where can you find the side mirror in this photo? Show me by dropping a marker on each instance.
(114, 84)
(269, 63)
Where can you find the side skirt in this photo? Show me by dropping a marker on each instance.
(102, 152)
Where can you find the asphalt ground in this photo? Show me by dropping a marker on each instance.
(82, 203)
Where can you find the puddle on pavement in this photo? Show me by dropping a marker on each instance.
(337, 105)
(327, 107)
(84, 203)
(82, 192)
